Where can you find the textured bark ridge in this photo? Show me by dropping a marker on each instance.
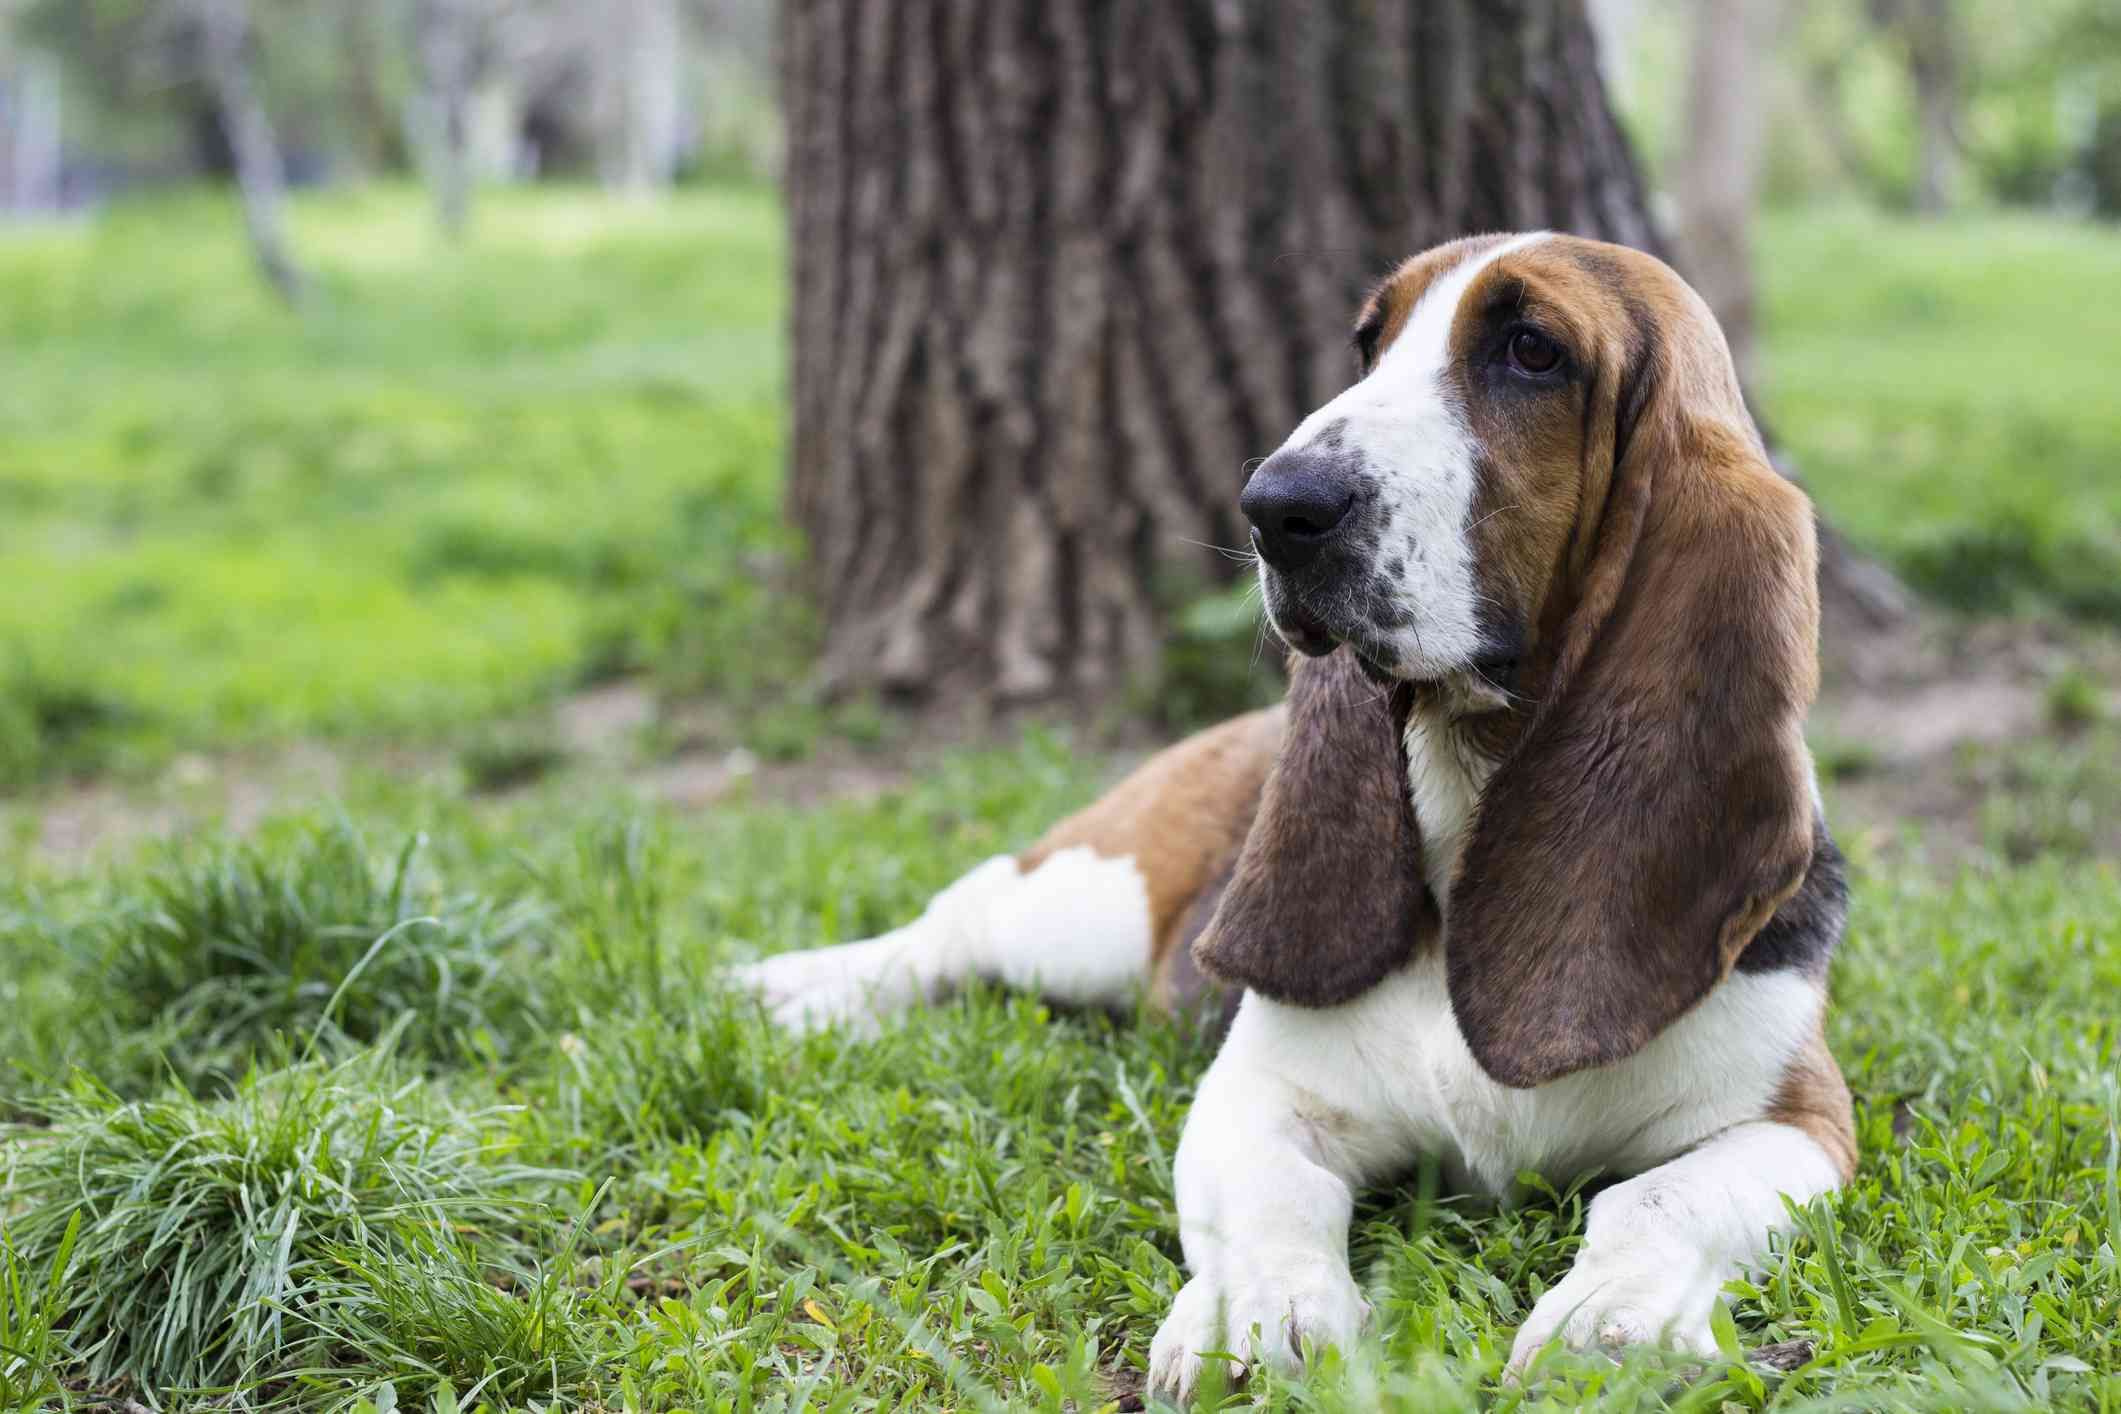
(1061, 267)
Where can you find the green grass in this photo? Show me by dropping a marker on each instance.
(654, 1199)
(434, 1100)
(30, 1310)
(228, 947)
(214, 1235)
(1946, 389)
(465, 480)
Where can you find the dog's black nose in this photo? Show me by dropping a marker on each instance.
(1294, 501)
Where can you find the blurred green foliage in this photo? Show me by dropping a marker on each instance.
(2038, 112)
(1946, 391)
(468, 478)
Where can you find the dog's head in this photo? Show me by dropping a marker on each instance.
(1543, 506)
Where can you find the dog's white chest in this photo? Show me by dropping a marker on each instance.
(1387, 1078)
(1444, 780)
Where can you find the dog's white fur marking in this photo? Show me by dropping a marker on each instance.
(1444, 780)
(1302, 1105)
(1075, 929)
(1413, 437)
(1658, 1248)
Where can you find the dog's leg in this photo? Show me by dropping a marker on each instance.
(1087, 917)
(1265, 1178)
(1658, 1248)
(1075, 927)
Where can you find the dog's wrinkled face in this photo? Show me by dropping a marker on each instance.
(1421, 516)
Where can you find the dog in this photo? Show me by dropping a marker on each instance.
(1529, 871)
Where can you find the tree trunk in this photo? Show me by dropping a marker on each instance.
(1933, 58)
(444, 40)
(1929, 30)
(31, 154)
(1717, 181)
(1062, 268)
(377, 122)
(637, 54)
(224, 28)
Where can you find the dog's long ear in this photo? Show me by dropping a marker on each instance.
(1327, 896)
(1658, 807)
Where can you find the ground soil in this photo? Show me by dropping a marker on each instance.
(1899, 713)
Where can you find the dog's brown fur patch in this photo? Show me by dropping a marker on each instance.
(1656, 810)
(1814, 1098)
(1181, 816)
(1327, 897)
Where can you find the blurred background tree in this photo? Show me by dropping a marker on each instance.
(1906, 102)
(632, 93)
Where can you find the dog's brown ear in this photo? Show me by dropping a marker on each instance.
(1658, 807)
(1327, 896)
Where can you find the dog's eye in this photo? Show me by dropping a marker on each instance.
(1533, 352)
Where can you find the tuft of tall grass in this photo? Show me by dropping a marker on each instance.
(233, 944)
(676, 1074)
(432, 1309)
(659, 1048)
(209, 1231)
(30, 1344)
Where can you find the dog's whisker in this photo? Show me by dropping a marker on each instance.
(1245, 557)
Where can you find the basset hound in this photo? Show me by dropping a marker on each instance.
(1528, 872)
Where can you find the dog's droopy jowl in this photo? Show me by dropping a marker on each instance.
(1527, 873)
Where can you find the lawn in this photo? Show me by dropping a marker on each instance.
(529, 1152)
(432, 1100)
(1947, 390)
(465, 481)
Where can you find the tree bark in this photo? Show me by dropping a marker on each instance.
(1933, 59)
(445, 43)
(637, 53)
(30, 127)
(226, 41)
(1062, 268)
(1929, 30)
(1716, 183)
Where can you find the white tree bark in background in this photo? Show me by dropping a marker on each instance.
(445, 39)
(29, 133)
(1933, 63)
(1716, 177)
(637, 60)
(1614, 23)
(224, 29)
(638, 54)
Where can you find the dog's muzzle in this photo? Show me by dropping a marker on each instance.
(1301, 504)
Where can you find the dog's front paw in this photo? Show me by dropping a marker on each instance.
(850, 986)
(1614, 1302)
(1264, 1317)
